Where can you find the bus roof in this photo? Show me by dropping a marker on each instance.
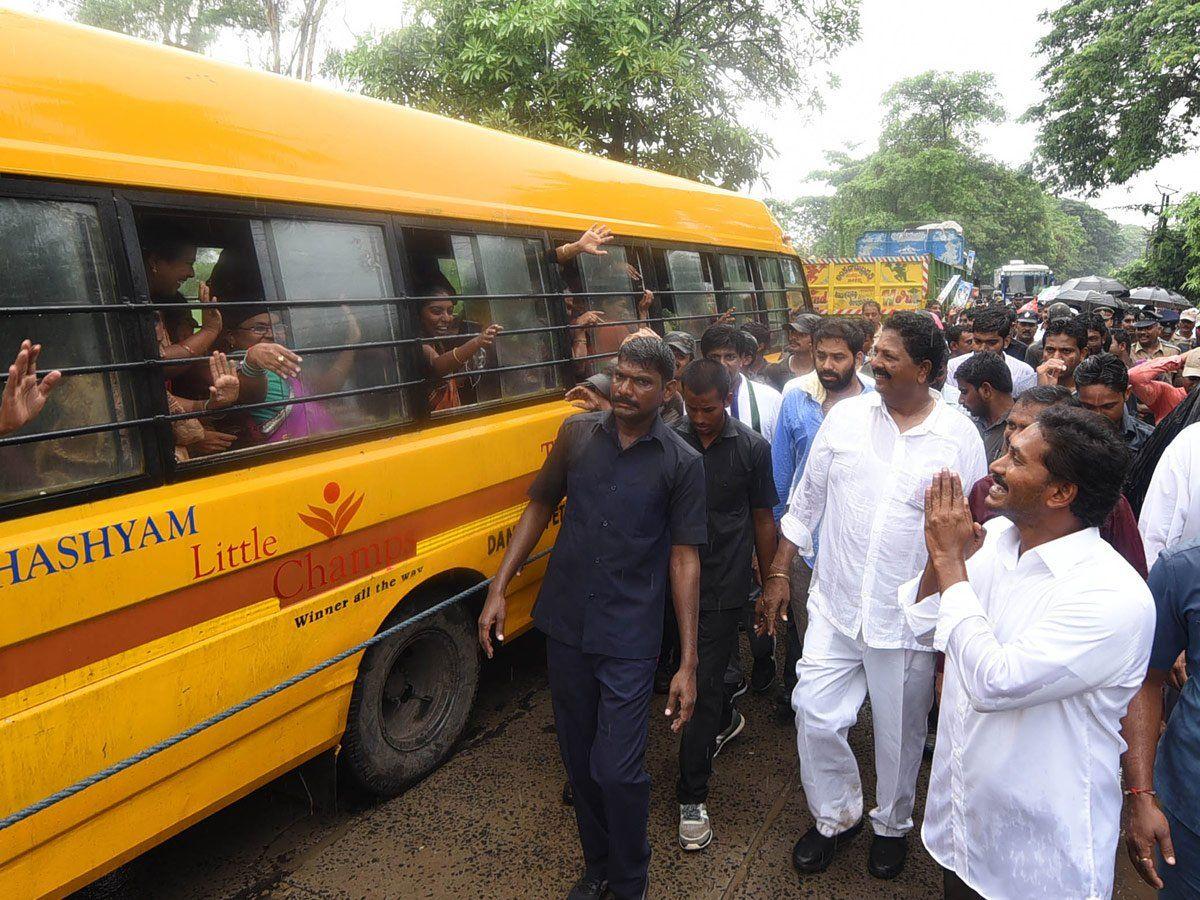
(83, 104)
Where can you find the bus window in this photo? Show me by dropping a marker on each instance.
(337, 262)
(775, 300)
(467, 340)
(736, 276)
(614, 286)
(692, 285)
(798, 300)
(189, 258)
(54, 253)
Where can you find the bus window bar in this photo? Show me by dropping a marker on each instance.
(130, 306)
(64, 433)
(458, 339)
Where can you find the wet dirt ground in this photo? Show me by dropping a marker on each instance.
(490, 822)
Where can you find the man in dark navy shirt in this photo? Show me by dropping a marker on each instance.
(635, 516)
(740, 487)
(1162, 829)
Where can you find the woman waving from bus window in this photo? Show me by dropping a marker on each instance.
(444, 352)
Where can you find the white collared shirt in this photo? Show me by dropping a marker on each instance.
(1023, 375)
(864, 488)
(1171, 510)
(768, 400)
(1043, 653)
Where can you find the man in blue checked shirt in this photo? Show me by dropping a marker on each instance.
(838, 354)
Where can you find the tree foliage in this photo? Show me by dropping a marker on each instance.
(1004, 214)
(926, 169)
(1122, 86)
(1107, 245)
(1172, 256)
(187, 24)
(806, 221)
(940, 109)
(657, 83)
(282, 35)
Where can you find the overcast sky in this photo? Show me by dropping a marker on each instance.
(898, 40)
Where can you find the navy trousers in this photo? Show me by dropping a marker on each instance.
(601, 714)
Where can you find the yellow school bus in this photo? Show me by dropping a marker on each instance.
(162, 560)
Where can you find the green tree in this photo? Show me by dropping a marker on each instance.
(657, 83)
(940, 109)
(1122, 88)
(282, 35)
(1107, 244)
(1172, 254)
(806, 221)
(187, 24)
(1005, 214)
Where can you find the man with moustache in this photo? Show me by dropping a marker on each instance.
(1047, 633)
(863, 490)
(635, 513)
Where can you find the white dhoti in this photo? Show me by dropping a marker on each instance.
(835, 674)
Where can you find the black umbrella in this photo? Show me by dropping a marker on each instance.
(1152, 295)
(1097, 283)
(1081, 298)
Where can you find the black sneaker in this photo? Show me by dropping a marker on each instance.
(736, 690)
(589, 887)
(762, 676)
(736, 726)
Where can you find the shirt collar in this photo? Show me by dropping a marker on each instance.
(876, 401)
(1059, 556)
(1130, 427)
(658, 430)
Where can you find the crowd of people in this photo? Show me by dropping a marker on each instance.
(983, 521)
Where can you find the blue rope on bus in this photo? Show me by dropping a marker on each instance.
(116, 768)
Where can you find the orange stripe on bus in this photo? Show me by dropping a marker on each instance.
(67, 649)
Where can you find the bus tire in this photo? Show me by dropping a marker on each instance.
(411, 701)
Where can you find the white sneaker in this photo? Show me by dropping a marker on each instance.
(695, 832)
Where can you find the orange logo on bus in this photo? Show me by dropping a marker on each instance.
(328, 521)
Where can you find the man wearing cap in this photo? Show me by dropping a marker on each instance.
(1024, 329)
(1149, 333)
(1159, 396)
(1185, 334)
(798, 360)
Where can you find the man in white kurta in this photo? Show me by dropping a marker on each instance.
(1046, 631)
(864, 487)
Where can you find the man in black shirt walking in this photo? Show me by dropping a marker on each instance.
(635, 513)
(740, 487)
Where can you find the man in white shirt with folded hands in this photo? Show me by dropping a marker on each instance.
(1047, 632)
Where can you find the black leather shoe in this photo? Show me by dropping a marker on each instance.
(814, 852)
(589, 887)
(887, 856)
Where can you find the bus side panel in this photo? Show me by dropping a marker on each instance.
(93, 832)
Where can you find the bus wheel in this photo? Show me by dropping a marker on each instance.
(411, 701)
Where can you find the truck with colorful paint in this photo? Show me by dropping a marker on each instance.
(840, 285)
